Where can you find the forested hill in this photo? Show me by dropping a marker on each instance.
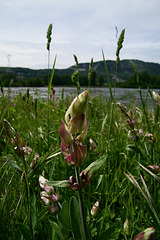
(125, 75)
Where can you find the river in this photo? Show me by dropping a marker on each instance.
(124, 95)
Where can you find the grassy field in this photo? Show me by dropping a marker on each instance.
(126, 142)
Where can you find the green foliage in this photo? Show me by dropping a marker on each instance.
(116, 149)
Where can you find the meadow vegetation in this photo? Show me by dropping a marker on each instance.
(119, 166)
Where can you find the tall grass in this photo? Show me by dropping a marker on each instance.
(118, 198)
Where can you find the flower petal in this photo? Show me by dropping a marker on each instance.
(65, 135)
(77, 157)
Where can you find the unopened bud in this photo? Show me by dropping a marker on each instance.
(126, 226)
(154, 168)
(156, 98)
(77, 107)
(95, 208)
(147, 234)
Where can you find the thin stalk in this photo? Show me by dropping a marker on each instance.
(27, 191)
(83, 217)
(48, 98)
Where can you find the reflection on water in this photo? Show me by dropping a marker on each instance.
(124, 95)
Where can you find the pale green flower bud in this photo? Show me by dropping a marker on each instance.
(156, 98)
(95, 208)
(77, 107)
(147, 234)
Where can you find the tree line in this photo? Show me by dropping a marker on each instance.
(9, 79)
(14, 80)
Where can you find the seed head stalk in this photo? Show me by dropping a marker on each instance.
(49, 33)
(81, 203)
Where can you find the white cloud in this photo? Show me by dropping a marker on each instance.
(79, 27)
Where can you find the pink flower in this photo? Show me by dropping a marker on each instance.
(74, 131)
(47, 195)
(95, 208)
(154, 168)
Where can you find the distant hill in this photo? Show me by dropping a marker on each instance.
(125, 70)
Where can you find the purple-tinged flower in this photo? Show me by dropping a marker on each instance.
(150, 137)
(73, 184)
(74, 131)
(34, 162)
(147, 234)
(15, 140)
(74, 154)
(156, 98)
(154, 168)
(95, 208)
(127, 226)
(92, 144)
(85, 178)
(42, 181)
(47, 195)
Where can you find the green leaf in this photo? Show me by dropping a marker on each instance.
(50, 82)
(25, 231)
(64, 215)
(33, 212)
(63, 183)
(56, 228)
(75, 218)
(94, 166)
(15, 167)
(107, 234)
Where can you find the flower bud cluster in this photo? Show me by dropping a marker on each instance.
(47, 195)
(15, 140)
(134, 132)
(85, 179)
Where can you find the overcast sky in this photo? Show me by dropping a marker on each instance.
(81, 27)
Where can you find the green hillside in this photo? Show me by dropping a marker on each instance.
(30, 77)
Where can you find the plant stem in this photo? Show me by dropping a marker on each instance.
(83, 217)
(27, 191)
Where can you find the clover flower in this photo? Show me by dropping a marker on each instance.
(74, 130)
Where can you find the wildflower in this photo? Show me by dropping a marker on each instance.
(84, 181)
(47, 195)
(73, 184)
(126, 226)
(154, 168)
(95, 208)
(150, 137)
(92, 144)
(147, 234)
(123, 109)
(156, 97)
(15, 140)
(74, 131)
(34, 162)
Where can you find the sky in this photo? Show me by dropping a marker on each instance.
(83, 28)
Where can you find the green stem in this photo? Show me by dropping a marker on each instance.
(83, 217)
(27, 191)
(48, 97)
